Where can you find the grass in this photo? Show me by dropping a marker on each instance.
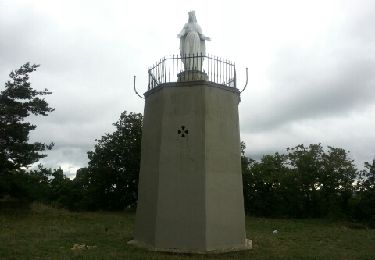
(47, 233)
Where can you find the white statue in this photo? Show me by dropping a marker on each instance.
(192, 42)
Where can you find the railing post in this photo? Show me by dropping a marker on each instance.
(148, 86)
(235, 76)
(165, 71)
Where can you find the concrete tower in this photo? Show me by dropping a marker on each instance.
(190, 185)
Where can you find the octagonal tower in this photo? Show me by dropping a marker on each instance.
(190, 196)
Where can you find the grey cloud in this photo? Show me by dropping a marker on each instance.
(68, 158)
(359, 20)
(315, 82)
(351, 133)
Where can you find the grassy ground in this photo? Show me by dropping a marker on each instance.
(47, 233)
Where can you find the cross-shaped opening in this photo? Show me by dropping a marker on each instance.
(182, 131)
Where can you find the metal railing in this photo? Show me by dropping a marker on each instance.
(190, 68)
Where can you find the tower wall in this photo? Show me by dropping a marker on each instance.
(190, 186)
(225, 216)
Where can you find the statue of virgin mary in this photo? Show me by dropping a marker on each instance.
(192, 42)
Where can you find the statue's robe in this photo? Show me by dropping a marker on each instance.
(192, 42)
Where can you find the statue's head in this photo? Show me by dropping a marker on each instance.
(192, 18)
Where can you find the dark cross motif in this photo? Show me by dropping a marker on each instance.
(183, 131)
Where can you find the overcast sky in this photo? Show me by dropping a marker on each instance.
(311, 67)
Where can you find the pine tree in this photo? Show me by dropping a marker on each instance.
(17, 102)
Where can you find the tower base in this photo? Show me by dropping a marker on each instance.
(247, 246)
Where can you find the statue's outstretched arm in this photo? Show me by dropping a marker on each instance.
(204, 38)
(183, 31)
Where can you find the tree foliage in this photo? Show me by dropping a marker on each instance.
(111, 179)
(306, 182)
(17, 102)
(363, 204)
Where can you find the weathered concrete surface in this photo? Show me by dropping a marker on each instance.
(190, 187)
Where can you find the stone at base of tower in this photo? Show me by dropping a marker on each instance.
(190, 185)
(246, 246)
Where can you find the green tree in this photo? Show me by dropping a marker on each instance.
(367, 177)
(336, 182)
(267, 186)
(364, 201)
(306, 182)
(307, 163)
(111, 179)
(60, 189)
(17, 102)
